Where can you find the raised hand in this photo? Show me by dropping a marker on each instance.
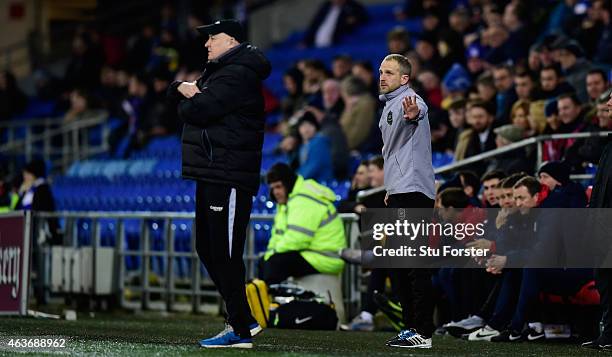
(411, 109)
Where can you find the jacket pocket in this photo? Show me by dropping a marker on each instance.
(399, 167)
(206, 145)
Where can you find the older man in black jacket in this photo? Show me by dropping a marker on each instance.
(223, 112)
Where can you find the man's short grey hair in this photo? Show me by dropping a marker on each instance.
(402, 61)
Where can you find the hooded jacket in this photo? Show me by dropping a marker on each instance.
(224, 124)
(309, 223)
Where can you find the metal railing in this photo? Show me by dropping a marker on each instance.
(537, 140)
(169, 286)
(54, 140)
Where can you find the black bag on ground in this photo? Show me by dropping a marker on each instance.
(304, 315)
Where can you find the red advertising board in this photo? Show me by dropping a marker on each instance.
(14, 263)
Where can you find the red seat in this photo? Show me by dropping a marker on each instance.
(587, 295)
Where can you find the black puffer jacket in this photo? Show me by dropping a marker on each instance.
(224, 125)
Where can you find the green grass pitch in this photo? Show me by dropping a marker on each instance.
(152, 334)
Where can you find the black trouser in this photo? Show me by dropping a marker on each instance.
(280, 266)
(378, 278)
(415, 289)
(222, 216)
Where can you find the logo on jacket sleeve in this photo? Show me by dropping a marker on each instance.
(390, 118)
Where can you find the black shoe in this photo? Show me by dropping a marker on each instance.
(507, 336)
(532, 334)
(591, 344)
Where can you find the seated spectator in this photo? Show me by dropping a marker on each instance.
(328, 119)
(82, 106)
(487, 92)
(563, 192)
(518, 160)
(575, 67)
(307, 232)
(83, 69)
(341, 66)
(596, 84)
(474, 56)
(315, 152)
(519, 117)
(314, 74)
(334, 19)
(471, 186)
(428, 56)
(294, 101)
(514, 17)
(479, 138)
(360, 182)
(572, 120)
(489, 182)
(503, 79)
(364, 321)
(398, 41)
(552, 83)
(359, 111)
(442, 134)
(12, 99)
(431, 86)
(364, 71)
(455, 84)
(525, 87)
(457, 116)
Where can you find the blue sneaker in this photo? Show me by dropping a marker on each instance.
(227, 340)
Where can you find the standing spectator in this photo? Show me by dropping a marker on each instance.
(333, 20)
(359, 111)
(12, 100)
(315, 152)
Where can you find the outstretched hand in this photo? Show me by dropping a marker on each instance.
(411, 109)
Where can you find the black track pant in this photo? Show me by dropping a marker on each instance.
(222, 217)
(414, 285)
